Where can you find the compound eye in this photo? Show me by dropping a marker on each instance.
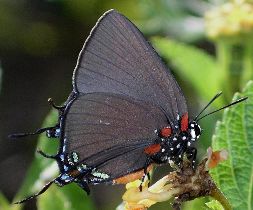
(195, 131)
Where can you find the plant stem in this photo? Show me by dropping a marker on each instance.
(219, 196)
(235, 58)
(248, 63)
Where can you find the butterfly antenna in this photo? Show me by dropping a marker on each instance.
(210, 102)
(224, 107)
(37, 194)
(20, 135)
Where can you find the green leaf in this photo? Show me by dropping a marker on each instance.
(6, 205)
(235, 134)
(70, 197)
(214, 205)
(43, 170)
(198, 203)
(192, 64)
(49, 146)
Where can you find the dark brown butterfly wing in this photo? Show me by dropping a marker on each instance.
(116, 58)
(110, 131)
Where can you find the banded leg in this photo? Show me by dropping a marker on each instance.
(146, 173)
(39, 131)
(191, 155)
(83, 184)
(54, 132)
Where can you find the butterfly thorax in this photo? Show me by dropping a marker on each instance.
(174, 143)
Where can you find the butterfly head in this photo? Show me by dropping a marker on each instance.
(194, 130)
(177, 141)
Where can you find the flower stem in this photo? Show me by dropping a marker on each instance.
(235, 59)
(248, 63)
(219, 196)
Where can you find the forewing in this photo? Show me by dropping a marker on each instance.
(103, 127)
(116, 58)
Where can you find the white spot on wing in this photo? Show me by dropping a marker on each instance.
(105, 123)
(100, 175)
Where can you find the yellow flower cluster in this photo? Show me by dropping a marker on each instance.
(158, 192)
(231, 19)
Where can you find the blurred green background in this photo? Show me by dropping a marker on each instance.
(40, 41)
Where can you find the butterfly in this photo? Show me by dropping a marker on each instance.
(125, 114)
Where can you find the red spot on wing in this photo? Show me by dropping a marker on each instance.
(184, 122)
(165, 132)
(152, 149)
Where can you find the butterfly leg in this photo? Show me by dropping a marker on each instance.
(46, 155)
(54, 132)
(38, 193)
(39, 131)
(191, 155)
(149, 178)
(142, 180)
(146, 173)
(83, 184)
(178, 158)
